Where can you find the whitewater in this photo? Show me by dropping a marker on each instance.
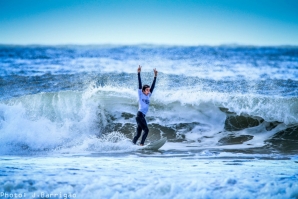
(229, 113)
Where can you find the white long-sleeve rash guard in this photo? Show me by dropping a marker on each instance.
(144, 100)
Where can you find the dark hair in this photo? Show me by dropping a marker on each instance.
(145, 86)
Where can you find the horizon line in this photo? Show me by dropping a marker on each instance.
(152, 44)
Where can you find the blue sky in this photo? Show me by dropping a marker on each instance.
(175, 22)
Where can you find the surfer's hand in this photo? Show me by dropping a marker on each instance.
(139, 69)
(155, 72)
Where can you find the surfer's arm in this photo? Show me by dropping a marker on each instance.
(140, 82)
(139, 77)
(154, 80)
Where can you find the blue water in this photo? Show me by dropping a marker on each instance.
(217, 106)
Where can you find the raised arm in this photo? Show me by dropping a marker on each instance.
(154, 80)
(139, 77)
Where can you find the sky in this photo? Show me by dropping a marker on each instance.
(161, 22)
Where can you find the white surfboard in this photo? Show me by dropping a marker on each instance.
(154, 145)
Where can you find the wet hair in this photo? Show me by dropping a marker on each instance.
(145, 86)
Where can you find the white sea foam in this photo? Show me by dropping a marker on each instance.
(131, 177)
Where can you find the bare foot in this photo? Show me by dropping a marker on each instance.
(141, 144)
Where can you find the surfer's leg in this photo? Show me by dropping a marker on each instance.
(146, 130)
(139, 131)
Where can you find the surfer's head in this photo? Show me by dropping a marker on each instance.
(146, 89)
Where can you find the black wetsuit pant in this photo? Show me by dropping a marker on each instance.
(142, 125)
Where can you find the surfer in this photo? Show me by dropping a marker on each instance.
(144, 94)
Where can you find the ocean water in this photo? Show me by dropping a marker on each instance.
(229, 113)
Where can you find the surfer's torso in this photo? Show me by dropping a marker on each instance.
(144, 101)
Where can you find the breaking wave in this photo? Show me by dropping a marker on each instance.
(102, 118)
